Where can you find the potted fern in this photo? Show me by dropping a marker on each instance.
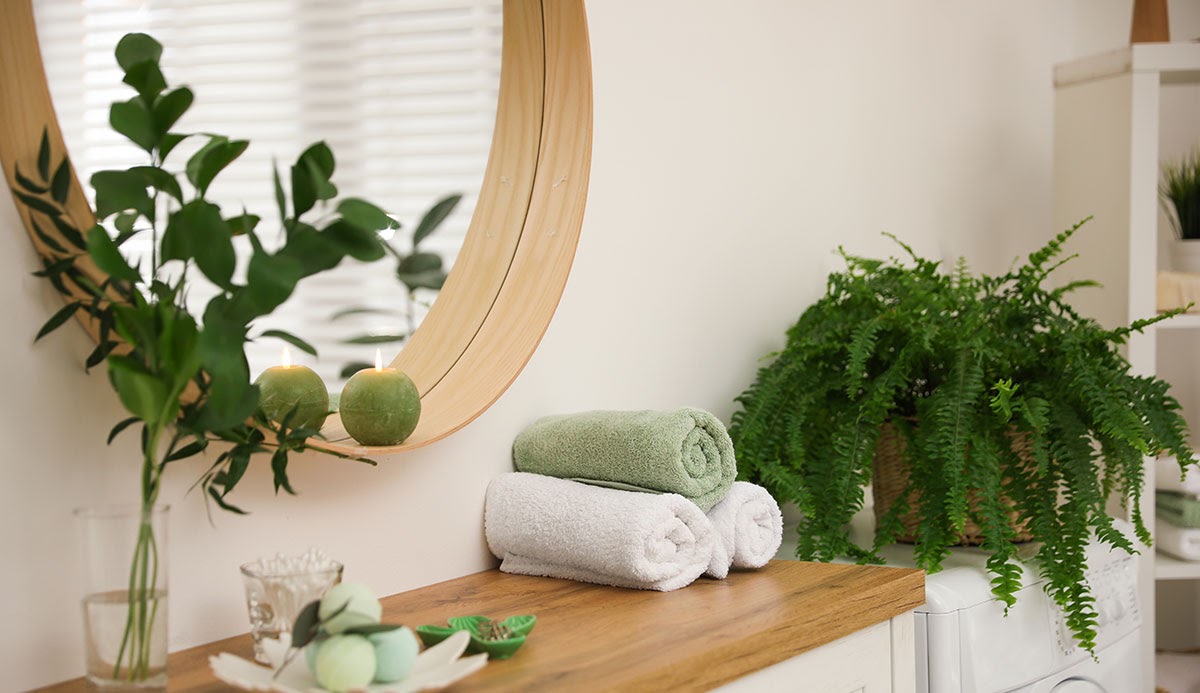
(1014, 417)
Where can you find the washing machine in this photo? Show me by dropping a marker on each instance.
(966, 644)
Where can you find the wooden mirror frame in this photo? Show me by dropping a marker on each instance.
(508, 278)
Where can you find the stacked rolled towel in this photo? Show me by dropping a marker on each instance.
(541, 525)
(1177, 505)
(749, 529)
(684, 451)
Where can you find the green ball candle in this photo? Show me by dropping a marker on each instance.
(380, 406)
(287, 387)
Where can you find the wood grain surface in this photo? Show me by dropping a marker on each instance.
(593, 638)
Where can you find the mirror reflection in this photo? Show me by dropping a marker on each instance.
(404, 91)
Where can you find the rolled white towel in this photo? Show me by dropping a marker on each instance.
(541, 525)
(749, 529)
(1166, 477)
(1177, 541)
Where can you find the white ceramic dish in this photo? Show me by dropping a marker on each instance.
(435, 668)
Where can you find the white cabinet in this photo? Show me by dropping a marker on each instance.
(878, 659)
(1117, 117)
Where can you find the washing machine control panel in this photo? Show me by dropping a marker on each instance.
(1113, 583)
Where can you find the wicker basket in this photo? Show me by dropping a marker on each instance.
(889, 478)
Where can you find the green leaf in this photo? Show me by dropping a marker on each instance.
(43, 160)
(212, 244)
(133, 120)
(28, 184)
(279, 462)
(121, 426)
(60, 185)
(135, 48)
(108, 257)
(169, 108)
(147, 79)
(365, 215)
(351, 368)
(348, 312)
(354, 241)
(144, 395)
(243, 224)
(69, 232)
(270, 280)
(160, 180)
(49, 240)
(280, 199)
(61, 316)
(434, 218)
(431, 279)
(313, 251)
(101, 352)
(375, 339)
(419, 262)
(37, 204)
(311, 178)
(239, 462)
(224, 504)
(193, 448)
(211, 159)
(118, 191)
(307, 624)
(291, 339)
(372, 628)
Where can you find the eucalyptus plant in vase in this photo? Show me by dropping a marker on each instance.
(183, 378)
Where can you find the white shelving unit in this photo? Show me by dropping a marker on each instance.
(1118, 115)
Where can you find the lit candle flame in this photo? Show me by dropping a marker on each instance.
(286, 359)
(378, 360)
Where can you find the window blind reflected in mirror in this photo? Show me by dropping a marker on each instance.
(404, 91)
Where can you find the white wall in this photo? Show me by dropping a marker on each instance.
(736, 144)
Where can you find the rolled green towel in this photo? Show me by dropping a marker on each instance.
(1179, 510)
(685, 451)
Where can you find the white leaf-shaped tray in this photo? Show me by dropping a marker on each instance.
(435, 668)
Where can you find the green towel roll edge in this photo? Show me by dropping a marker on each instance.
(685, 451)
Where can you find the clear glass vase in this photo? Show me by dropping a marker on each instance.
(125, 596)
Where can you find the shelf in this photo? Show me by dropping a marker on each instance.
(1168, 568)
(1160, 57)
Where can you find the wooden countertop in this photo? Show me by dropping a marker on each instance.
(593, 638)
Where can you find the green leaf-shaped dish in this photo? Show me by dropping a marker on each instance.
(519, 626)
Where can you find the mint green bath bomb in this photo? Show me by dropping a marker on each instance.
(345, 662)
(380, 406)
(283, 388)
(362, 608)
(395, 654)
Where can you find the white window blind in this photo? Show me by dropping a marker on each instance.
(404, 91)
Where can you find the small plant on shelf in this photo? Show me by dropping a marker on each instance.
(1180, 188)
(1009, 410)
(182, 377)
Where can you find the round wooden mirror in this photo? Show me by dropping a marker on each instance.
(509, 275)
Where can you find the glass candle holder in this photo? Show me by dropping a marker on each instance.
(278, 588)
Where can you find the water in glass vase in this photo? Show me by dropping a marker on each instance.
(126, 649)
